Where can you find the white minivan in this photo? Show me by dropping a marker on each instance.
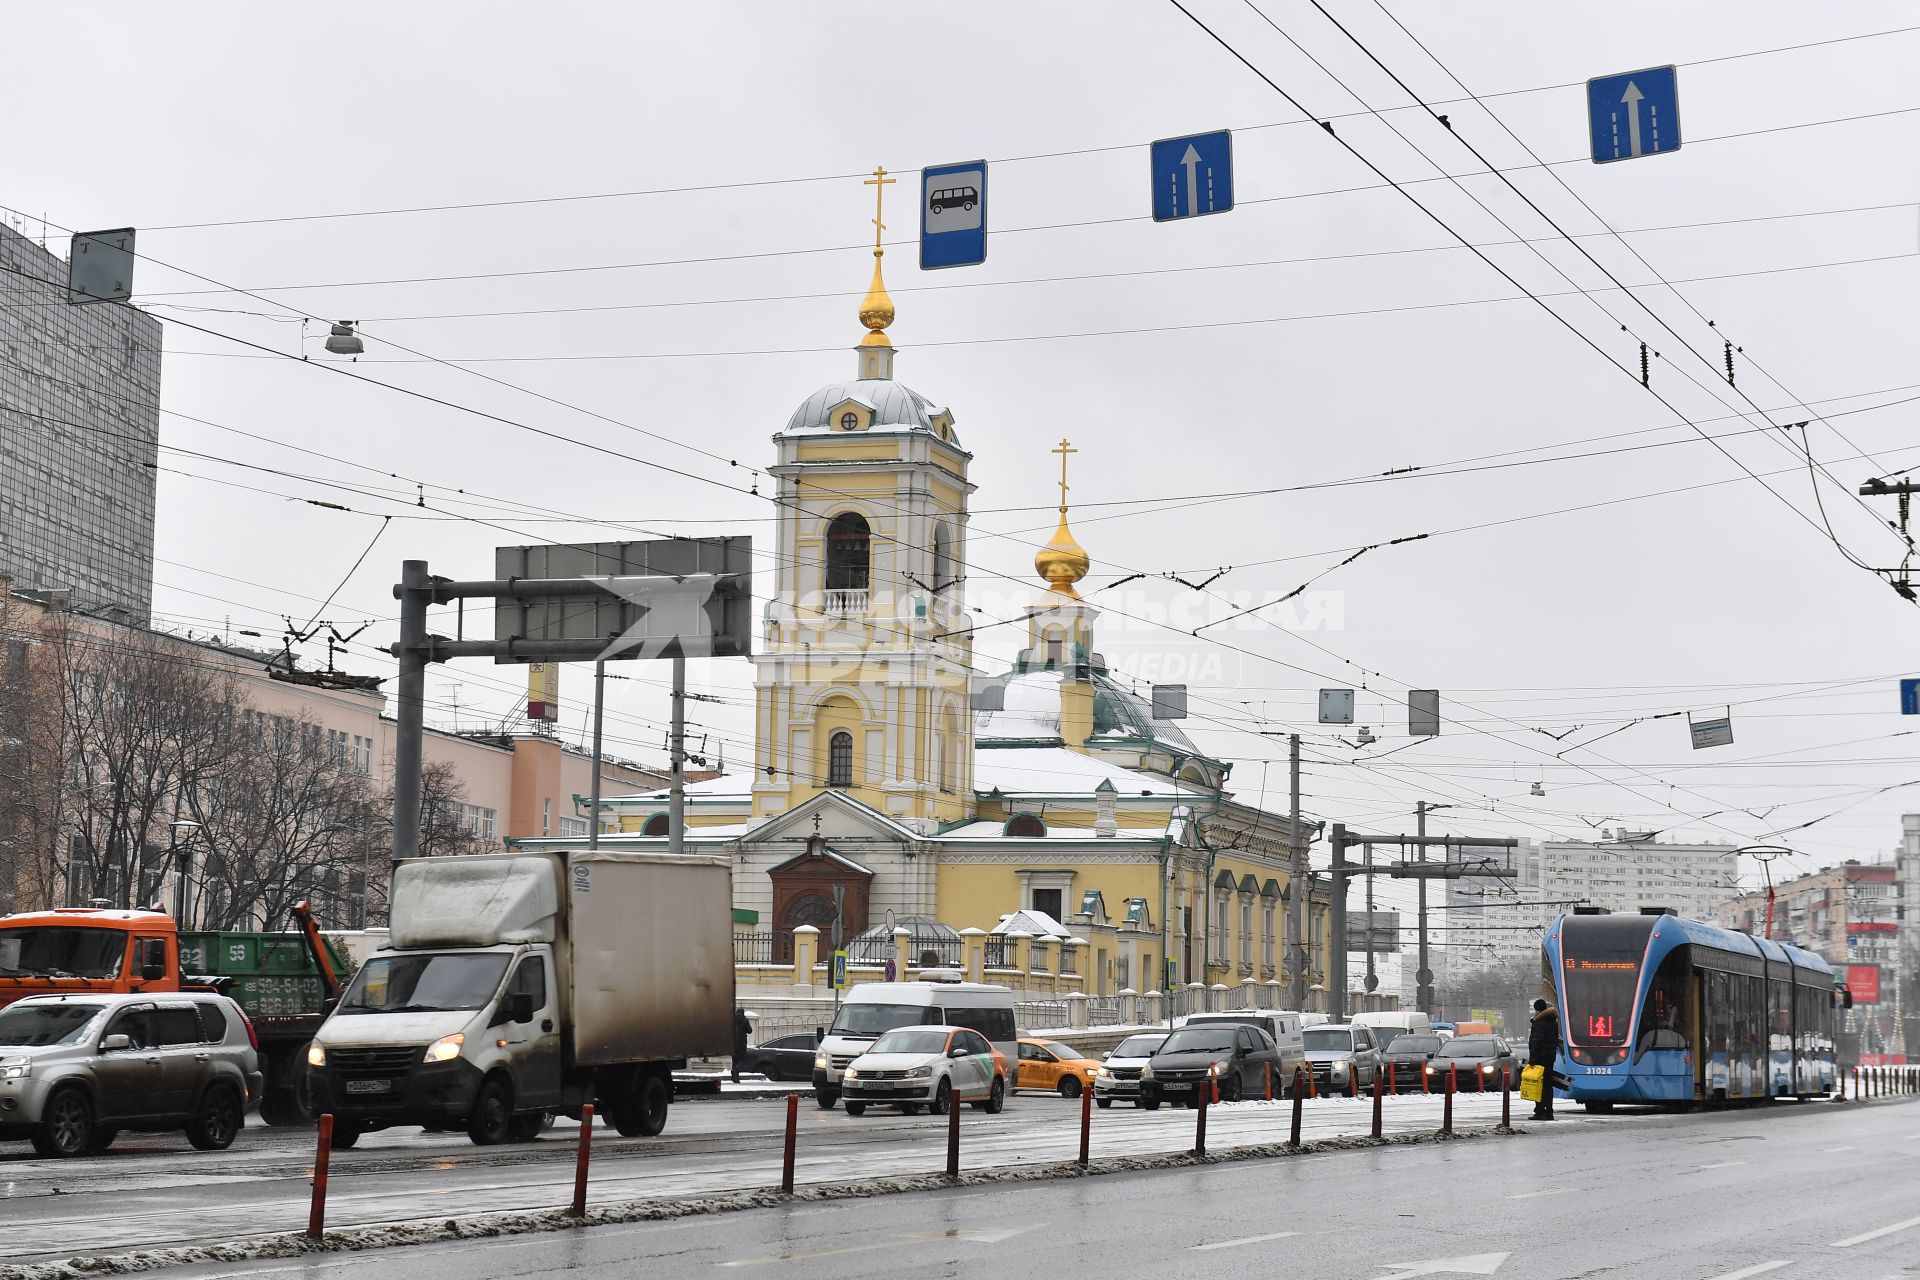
(868, 1010)
(1386, 1025)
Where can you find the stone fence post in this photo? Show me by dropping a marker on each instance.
(974, 943)
(806, 945)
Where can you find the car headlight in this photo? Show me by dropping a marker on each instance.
(316, 1054)
(1146, 1072)
(1217, 1069)
(850, 1074)
(1103, 1074)
(919, 1073)
(1339, 1068)
(820, 1061)
(445, 1049)
(1432, 1070)
(16, 1071)
(1486, 1068)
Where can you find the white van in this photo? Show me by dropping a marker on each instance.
(1386, 1025)
(1283, 1025)
(874, 1007)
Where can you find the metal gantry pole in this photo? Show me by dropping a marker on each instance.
(413, 593)
(677, 797)
(1337, 943)
(599, 708)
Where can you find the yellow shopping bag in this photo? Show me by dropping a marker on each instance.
(1533, 1083)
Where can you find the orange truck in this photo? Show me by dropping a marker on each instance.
(285, 982)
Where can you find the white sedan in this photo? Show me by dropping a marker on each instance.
(931, 1067)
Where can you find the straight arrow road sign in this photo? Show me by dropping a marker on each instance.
(1633, 115)
(1478, 1264)
(1192, 176)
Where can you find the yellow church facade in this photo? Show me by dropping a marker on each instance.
(1037, 810)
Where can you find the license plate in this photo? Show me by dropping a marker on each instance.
(369, 1086)
(1176, 1088)
(876, 1084)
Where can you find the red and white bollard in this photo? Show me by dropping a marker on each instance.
(580, 1162)
(317, 1213)
(793, 1128)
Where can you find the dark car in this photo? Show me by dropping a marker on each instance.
(788, 1058)
(1474, 1063)
(1241, 1059)
(1405, 1057)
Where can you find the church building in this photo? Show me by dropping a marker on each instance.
(1043, 806)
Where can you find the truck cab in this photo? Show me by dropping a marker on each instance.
(85, 951)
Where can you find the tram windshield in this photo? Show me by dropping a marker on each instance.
(1600, 959)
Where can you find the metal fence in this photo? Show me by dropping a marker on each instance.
(1103, 1011)
(1029, 1014)
(752, 948)
(999, 953)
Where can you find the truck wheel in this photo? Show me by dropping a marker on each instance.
(492, 1116)
(289, 1097)
(653, 1102)
(344, 1136)
(859, 1108)
(527, 1127)
(66, 1125)
(826, 1098)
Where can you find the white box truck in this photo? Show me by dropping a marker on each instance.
(517, 985)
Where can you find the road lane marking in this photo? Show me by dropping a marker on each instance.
(1758, 1269)
(982, 1235)
(1831, 1150)
(1232, 1244)
(1535, 1195)
(1724, 1164)
(1865, 1236)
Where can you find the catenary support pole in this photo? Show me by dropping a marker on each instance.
(677, 797)
(1423, 977)
(580, 1162)
(317, 1213)
(1337, 922)
(1298, 907)
(410, 691)
(599, 709)
(793, 1130)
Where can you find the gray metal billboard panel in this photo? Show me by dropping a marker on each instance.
(645, 618)
(1423, 712)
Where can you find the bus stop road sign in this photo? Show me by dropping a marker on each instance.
(1635, 114)
(953, 215)
(1192, 176)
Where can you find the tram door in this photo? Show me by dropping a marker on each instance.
(1697, 1031)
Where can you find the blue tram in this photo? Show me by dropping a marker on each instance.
(1654, 1008)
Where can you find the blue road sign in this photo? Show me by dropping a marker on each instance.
(1192, 175)
(1910, 697)
(953, 215)
(837, 978)
(1636, 114)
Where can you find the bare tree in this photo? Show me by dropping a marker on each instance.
(288, 820)
(444, 832)
(1507, 985)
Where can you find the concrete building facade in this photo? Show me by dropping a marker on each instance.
(79, 437)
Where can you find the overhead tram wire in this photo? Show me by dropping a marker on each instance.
(1711, 389)
(1584, 204)
(750, 184)
(451, 404)
(1712, 366)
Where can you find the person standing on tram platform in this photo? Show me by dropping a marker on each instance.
(1543, 1044)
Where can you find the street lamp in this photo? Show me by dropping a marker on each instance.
(183, 862)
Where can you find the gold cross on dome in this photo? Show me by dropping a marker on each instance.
(1064, 449)
(879, 182)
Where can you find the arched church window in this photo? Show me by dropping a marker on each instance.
(840, 759)
(849, 420)
(655, 826)
(1026, 824)
(849, 552)
(1056, 649)
(942, 558)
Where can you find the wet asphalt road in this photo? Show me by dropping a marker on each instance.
(156, 1191)
(1793, 1192)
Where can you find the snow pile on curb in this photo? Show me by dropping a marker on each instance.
(483, 1226)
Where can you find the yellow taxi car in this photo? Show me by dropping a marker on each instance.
(1055, 1068)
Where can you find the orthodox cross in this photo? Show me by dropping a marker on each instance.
(879, 182)
(1063, 451)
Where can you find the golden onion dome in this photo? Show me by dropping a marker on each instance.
(1062, 562)
(876, 309)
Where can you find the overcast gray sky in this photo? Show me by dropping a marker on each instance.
(1324, 330)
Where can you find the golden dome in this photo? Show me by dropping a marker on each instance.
(1062, 562)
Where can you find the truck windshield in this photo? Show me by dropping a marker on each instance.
(55, 951)
(25, 1025)
(419, 984)
(872, 1019)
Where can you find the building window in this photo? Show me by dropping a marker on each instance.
(1222, 900)
(1026, 824)
(849, 552)
(1266, 933)
(362, 755)
(840, 759)
(1246, 932)
(942, 558)
(480, 820)
(655, 826)
(1048, 901)
(546, 816)
(849, 420)
(573, 827)
(1056, 651)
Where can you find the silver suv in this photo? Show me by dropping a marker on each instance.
(75, 1070)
